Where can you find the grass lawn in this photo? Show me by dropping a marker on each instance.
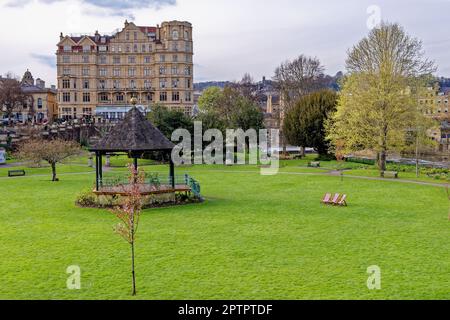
(255, 237)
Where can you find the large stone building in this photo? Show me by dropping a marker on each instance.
(99, 74)
(41, 103)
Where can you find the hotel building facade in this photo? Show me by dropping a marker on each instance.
(99, 74)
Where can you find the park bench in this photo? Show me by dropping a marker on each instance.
(389, 174)
(314, 164)
(16, 173)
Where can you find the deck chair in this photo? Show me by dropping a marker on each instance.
(336, 199)
(343, 202)
(327, 198)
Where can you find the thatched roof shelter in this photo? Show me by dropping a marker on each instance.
(135, 135)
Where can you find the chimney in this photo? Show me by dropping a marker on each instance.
(97, 36)
(61, 36)
(40, 83)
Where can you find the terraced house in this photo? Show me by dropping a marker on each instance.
(99, 74)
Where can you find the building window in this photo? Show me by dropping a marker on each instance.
(85, 59)
(175, 96)
(66, 71)
(162, 58)
(175, 58)
(101, 84)
(150, 96)
(66, 96)
(175, 34)
(85, 71)
(135, 48)
(102, 59)
(67, 48)
(162, 70)
(116, 84)
(163, 96)
(103, 97)
(116, 72)
(66, 84)
(119, 97)
(127, 36)
(143, 49)
(87, 111)
(116, 59)
(174, 70)
(127, 48)
(188, 96)
(135, 35)
(188, 58)
(186, 35)
(39, 103)
(187, 71)
(132, 84)
(147, 72)
(175, 83)
(188, 83)
(131, 72)
(66, 59)
(86, 97)
(131, 59)
(147, 59)
(147, 84)
(188, 47)
(103, 72)
(162, 83)
(85, 84)
(86, 48)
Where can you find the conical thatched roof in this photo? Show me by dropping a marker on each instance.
(134, 134)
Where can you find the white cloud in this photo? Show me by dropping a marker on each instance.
(231, 37)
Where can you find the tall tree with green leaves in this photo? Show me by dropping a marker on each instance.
(376, 106)
(304, 122)
(167, 121)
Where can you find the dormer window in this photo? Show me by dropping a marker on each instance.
(67, 48)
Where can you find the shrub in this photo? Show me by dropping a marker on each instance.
(87, 199)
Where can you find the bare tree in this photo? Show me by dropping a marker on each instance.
(11, 95)
(129, 214)
(51, 151)
(297, 78)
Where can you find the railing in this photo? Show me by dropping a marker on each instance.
(156, 181)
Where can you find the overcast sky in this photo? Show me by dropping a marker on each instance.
(231, 37)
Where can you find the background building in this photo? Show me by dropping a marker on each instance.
(99, 74)
(41, 102)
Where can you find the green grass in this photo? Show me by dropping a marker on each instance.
(255, 237)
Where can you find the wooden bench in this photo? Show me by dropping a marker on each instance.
(389, 174)
(314, 164)
(16, 173)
